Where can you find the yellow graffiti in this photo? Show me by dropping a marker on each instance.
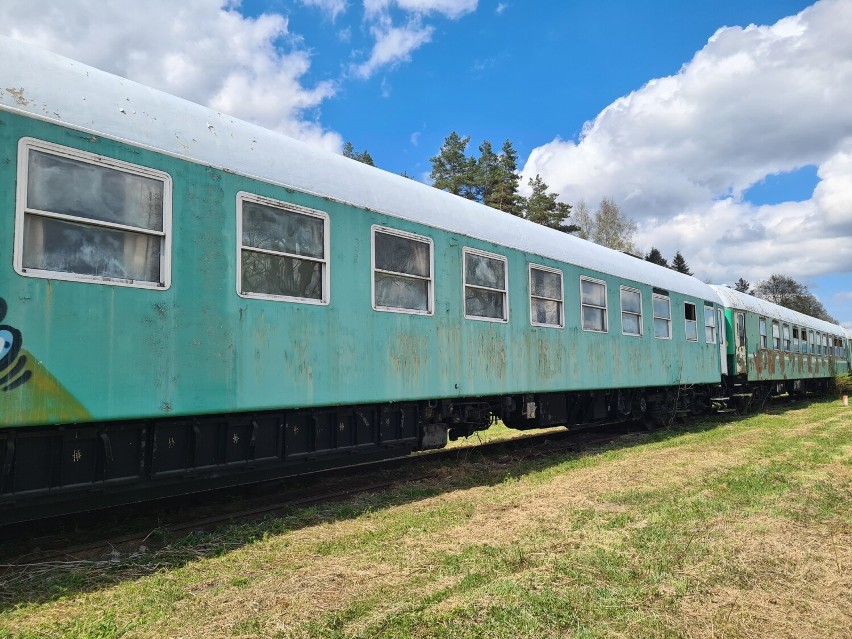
(41, 400)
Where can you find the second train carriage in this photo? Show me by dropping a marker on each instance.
(772, 349)
(190, 300)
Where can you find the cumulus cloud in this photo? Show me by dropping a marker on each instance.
(679, 153)
(207, 52)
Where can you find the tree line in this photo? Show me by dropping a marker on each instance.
(492, 178)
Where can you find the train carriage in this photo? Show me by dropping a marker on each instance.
(189, 301)
(777, 349)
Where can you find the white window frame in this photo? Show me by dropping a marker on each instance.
(604, 307)
(430, 280)
(21, 211)
(630, 289)
(776, 335)
(560, 301)
(763, 333)
(687, 322)
(494, 256)
(668, 299)
(245, 196)
(711, 339)
(796, 332)
(785, 338)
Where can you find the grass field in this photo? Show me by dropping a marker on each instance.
(722, 528)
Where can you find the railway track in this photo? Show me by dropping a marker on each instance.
(135, 529)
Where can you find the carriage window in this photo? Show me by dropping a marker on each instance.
(662, 317)
(776, 336)
(762, 325)
(485, 286)
(283, 251)
(631, 311)
(593, 303)
(85, 217)
(709, 325)
(690, 322)
(545, 297)
(812, 349)
(402, 272)
(804, 346)
(786, 333)
(795, 339)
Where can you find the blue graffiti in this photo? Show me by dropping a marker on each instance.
(13, 371)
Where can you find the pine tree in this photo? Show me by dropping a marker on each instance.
(656, 257)
(504, 195)
(350, 152)
(542, 207)
(454, 171)
(679, 264)
(742, 285)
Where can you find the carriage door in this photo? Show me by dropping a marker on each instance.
(723, 350)
(740, 356)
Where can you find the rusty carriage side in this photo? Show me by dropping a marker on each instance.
(774, 350)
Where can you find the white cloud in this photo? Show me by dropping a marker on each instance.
(394, 43)
(332, 8)
(843, 297)
(679, 153)
(415, 138)
(205, 51)
(501, 7)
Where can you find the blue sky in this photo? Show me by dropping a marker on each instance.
(722, 127)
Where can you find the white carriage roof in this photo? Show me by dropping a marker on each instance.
(49, 86)
(735, 299)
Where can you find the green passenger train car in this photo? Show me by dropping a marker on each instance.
(787, 350)
(187, 300)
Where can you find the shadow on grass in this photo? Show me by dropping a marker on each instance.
(470, 467)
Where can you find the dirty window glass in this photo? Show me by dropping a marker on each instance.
(485, 291)
(402, 272)
(485, 271)
(776, 336)
(545, 297)
(690, 322)
(282, 231)
(593, 303)
(785, 331)
(709, 325)
(762, 327)
(80, 189)
(795, 339)
(662, 317)
(631, 311)
(283, 252)
(96, 221)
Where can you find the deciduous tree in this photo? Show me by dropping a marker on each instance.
(613, 229)
(787, 292)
